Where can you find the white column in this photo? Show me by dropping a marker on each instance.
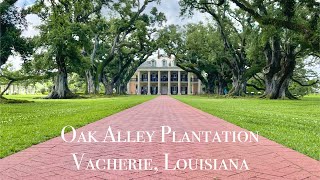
(192, 84)
(189, 83)
(149, 83)
(179, 82)
(169, 83)
(139, 85)
(159, 82)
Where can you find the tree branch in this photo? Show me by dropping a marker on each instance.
(301, 84)
(256, 87)
(5, 89)
(244, 5)
(22, 78)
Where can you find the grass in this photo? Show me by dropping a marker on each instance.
(294, 124)
(23, 125)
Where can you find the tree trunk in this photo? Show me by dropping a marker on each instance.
(277, 85)
(222, 84)
(244, 87)
(108, 85)
(5, 89)
(97, 86)
(120, 88)
(108, 88)
(123, 89)
(92, 80)
(279, 70)
(60, 88)
(237, 88)
(90, 85)
(210, 84)
(238, 82)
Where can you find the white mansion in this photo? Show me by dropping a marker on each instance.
(159, 75)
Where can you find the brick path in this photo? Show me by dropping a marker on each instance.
(53, 159)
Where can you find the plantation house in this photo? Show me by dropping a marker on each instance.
(160, 75)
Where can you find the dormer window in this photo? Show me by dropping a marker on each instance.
(164, 63)
(153, 63)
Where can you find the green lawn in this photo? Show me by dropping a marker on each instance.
(295, 124)
(22, 125)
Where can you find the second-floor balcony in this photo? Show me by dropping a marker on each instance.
(165, 79)
(174, 79)
(184, 79)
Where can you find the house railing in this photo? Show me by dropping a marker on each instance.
(165, 79)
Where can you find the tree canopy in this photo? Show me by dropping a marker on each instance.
(245, 45)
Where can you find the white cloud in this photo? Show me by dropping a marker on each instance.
(33, 21)
(171, 8)
(16, 61)
(24, 3)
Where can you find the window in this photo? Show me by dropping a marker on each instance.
(174, 75)
(164, 63)
(144, 77)
(153, 63)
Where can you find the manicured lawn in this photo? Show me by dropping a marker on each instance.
(295, 124)
(22, 125)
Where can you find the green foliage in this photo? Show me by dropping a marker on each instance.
(76, 83)
(304, 79)
(12, 21)
(197, 49)
(129, 35)
(248, 31)
(299, 17)
(61, 36)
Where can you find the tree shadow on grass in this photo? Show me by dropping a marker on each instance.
(14, 101)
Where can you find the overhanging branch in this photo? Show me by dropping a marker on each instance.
(22, 78)
(5, 89)
(301, 84)
(256, 87)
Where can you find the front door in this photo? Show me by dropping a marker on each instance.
(174, 90)
(164, 90)
(154, 90)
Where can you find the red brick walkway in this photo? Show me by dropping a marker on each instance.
(53, 159)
